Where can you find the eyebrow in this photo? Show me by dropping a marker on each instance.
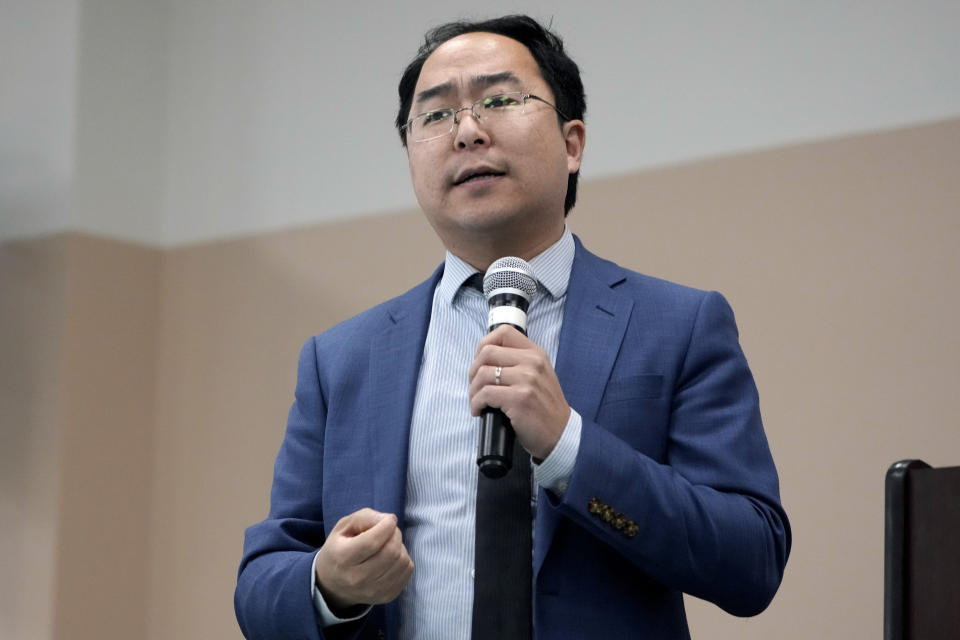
(477, 82)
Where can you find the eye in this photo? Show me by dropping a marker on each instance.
(435, 117)
(501, 101)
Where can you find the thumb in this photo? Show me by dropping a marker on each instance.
(359, 521)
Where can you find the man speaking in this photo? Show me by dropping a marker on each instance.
(635, 467)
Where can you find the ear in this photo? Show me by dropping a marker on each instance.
(575, 137)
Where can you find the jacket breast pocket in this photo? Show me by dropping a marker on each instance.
(636, 387)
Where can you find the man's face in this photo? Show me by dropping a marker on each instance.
(521, 163)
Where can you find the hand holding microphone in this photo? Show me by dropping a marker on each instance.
(512, 382)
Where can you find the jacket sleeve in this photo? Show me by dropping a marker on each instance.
(273, 594)
(705, 517)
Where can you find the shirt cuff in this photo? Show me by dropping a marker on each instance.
(555, 470)
(326, 616)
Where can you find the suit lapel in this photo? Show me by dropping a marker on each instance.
(595, 319)
(395, 359)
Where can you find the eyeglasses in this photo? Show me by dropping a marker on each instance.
(440, 122)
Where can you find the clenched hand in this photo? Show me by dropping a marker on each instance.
(363, 561)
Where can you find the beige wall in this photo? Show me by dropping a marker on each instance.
(79, 331)
(174, 372)
(32, 318)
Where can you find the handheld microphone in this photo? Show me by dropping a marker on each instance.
(509, 285)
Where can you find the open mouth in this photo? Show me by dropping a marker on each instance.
(479, 175)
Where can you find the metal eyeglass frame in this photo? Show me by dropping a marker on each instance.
(452, 113)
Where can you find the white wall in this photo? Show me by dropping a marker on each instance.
(82, 124)
(38, 54)
(121, 122)
(205, 118)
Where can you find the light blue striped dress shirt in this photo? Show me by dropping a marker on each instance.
(440, 512)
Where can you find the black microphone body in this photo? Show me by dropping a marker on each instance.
(509, 285)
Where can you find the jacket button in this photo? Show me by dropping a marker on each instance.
(593, 506)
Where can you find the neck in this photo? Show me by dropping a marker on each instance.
(481, 252)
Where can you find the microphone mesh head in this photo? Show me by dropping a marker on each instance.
(510, 273)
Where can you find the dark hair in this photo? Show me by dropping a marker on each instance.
(560, 72)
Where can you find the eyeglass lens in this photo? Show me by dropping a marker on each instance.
(440, 122)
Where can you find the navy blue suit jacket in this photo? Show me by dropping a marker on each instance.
(674, 488)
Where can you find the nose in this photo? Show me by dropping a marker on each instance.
(456, 114)
(469, 132)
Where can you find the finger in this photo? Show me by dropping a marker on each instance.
(488, 374)
(381, 577)
(485, 385)
(489, 397)
(505, 336)
(394, 580)
(357, 522)
(395, 573)
(367, 544)
(496, 355)
(391, 555)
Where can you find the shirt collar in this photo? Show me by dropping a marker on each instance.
(455, 271)
(552, 269)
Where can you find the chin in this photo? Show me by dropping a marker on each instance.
(487, 221)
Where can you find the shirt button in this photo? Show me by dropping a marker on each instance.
(473, 574)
